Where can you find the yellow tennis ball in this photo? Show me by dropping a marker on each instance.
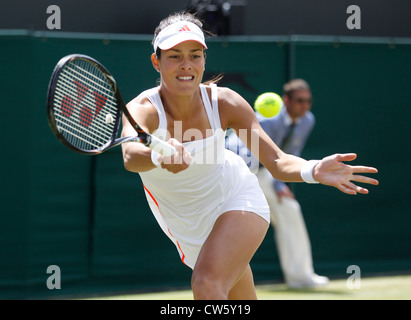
(268, 104)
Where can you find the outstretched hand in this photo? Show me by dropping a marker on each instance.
(333, 172)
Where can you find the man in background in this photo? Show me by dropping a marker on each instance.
(290, 130)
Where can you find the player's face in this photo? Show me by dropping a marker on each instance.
(182, 67)
(299, 103)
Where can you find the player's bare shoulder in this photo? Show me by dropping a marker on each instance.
(144, 112)
(232, 105)
(230, 99)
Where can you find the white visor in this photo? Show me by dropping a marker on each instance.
(177, 33)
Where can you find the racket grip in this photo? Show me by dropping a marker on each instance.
(161, 147)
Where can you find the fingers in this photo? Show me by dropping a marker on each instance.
(179, 161)
(356, 169)
(356, 188)
(182, 155)
(364, 179)
(361, 178)
(363, 169)
(352, 189)
(346, 157)
(345, 189)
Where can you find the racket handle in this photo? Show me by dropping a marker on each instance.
(161, 146)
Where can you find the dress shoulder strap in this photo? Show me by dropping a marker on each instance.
(211, 108)
(154, 96)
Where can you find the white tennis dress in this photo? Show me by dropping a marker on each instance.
(187, 204)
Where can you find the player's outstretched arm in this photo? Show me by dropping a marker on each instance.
(333, 172)
(329, 171)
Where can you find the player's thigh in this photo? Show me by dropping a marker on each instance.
(235, 237)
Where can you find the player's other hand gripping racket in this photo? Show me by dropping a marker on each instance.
(84, 108)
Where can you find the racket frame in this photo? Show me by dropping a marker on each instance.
(112, 142)
(148, 140)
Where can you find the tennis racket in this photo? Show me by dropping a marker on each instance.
(84, 108)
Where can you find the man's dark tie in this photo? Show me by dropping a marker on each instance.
(288, 135)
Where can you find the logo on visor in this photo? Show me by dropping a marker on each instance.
(185, 28)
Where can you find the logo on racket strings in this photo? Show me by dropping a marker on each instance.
(86, 114)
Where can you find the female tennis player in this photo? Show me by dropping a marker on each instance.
(204, 197)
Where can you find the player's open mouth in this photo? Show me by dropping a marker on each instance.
(185, 78)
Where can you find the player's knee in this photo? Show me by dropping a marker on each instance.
(206, 288)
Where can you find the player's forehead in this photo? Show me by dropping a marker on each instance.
(189, 45)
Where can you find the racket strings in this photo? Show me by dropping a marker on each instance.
(65, 91)
(83, 100)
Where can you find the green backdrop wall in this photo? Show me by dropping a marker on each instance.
(89, 216)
